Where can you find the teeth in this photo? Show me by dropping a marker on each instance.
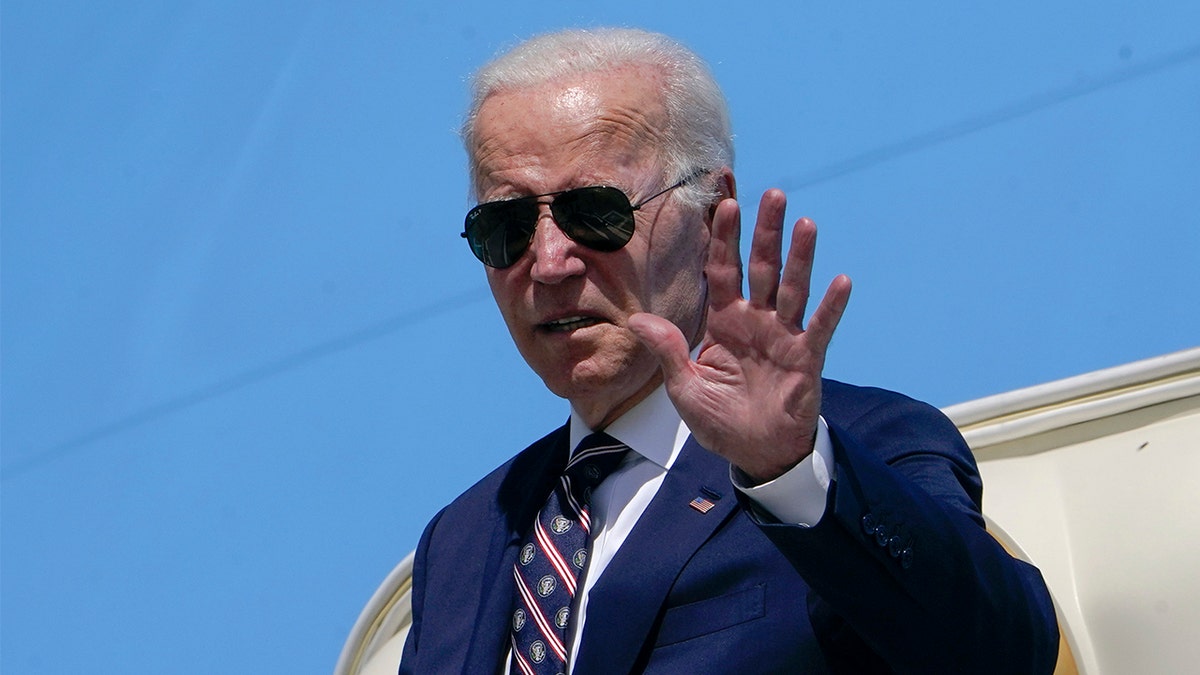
(570, 323)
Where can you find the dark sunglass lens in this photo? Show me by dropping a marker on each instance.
(600, 218)
(499, 232)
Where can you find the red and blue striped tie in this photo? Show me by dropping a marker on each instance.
(552, 556)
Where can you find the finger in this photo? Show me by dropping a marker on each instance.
(666, 342)
(765, 262)
(724, 267)
(829, 313)
(797, 274)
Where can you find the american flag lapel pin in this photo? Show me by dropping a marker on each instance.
(705, 501)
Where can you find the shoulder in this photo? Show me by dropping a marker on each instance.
(505, 490)
(860, 411)
(849, 402)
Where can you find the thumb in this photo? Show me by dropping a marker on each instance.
(665, 341)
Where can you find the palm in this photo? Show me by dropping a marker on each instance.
(753, 394)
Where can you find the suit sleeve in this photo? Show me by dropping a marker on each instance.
(905, 578)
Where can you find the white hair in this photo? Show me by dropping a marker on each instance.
(698, 134)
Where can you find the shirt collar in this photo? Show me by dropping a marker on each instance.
(651, 428)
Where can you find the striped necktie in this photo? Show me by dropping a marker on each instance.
(553, 555)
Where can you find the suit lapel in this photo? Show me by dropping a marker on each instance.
(626, 601)
(522, 493)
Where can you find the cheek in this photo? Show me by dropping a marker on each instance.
(505, 293)
(677, 282)
(502, 283)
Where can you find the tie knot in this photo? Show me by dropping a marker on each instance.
(596, 457)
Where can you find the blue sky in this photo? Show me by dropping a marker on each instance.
(246, 355)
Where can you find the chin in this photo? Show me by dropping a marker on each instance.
(599, 381)
(580, 380)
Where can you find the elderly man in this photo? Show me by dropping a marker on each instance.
(713, 504)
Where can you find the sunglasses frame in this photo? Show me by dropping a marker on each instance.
(568, 226)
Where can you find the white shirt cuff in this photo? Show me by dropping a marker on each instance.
(798, 496)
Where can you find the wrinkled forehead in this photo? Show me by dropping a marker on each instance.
(572, 118)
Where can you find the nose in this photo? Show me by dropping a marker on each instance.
(555, 255)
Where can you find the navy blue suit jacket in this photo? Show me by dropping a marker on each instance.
(899, 575)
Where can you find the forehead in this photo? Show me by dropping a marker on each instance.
(551, 133)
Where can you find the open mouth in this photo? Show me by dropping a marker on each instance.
(569, 323)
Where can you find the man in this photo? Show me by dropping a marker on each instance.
(763, 519)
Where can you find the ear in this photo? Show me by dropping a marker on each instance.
(726, 183)
(726, 189)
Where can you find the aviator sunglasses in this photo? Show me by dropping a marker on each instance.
(598, 217)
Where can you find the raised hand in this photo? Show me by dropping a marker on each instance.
(753, 394)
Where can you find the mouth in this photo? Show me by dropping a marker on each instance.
(567, 324)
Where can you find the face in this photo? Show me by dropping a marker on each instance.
(565, 305)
